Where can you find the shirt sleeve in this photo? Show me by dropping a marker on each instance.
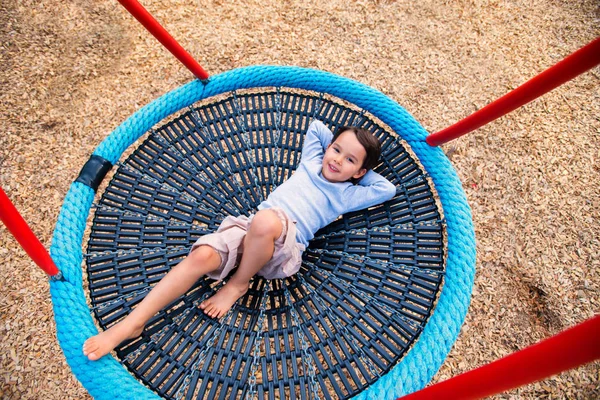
(372, 189)
(317, 138)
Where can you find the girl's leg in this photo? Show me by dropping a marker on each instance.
(259, 245)
(178, 281)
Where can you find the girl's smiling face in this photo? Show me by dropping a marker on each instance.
(344, 158)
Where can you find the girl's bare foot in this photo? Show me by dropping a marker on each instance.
(103, 343)
(219, 303)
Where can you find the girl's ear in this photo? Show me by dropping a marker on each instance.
(360, 173)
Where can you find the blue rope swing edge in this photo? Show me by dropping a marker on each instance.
(108, 379)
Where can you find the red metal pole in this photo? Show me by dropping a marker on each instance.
(577, 63)
(160, 33)
(568, 349)
(26, 238)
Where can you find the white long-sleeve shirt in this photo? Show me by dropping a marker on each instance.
(313, 201)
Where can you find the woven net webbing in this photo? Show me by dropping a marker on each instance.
(368, 282)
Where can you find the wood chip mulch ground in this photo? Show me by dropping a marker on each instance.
(71, 71)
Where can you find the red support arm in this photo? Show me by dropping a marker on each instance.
(160, 33)
(569, 349)
(26, 238)
(577, 63)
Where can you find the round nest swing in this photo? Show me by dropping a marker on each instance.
(381, 294)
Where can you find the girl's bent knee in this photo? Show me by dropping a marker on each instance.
(204, 254)
(266, 223)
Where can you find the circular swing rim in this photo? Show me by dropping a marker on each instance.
(108, 379)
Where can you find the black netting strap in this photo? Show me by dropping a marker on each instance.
(94, 171)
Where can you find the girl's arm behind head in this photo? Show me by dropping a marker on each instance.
(371, 190)
(317, 138)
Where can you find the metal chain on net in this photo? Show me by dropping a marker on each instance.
(134, 250)
(361, 118)
(148, 217)
(419, 178)
(345, 332)
(276, 140)
(214, 145)
(318, 106)
(361, 294)
(403, 188)
(119, 253)
(382, 229)
(209, 344)
(307, 358)
(364, 295)
(103, 306)
(201, 175)
(251, 393)
(157, 335)
(248, 143)
(384, 264)
(165, 186)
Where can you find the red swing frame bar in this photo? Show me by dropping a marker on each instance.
(576, 346)
(569, 349)
(26, 238)
(577, 63)
(161, 34)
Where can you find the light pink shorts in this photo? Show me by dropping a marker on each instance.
(228, 241)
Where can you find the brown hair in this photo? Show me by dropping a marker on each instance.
(367, 140)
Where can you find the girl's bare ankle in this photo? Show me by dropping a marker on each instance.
(242, 287)
(131, 327)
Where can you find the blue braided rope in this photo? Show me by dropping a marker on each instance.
(107, 379)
